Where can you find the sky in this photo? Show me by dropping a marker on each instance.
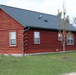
(44, 6)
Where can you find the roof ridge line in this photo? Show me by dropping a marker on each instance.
(27, 10)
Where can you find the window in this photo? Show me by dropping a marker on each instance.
(36, 37)
(70, 39)
(12, 38)
(59, 36)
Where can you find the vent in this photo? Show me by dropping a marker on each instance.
(40, 16)
(46, 20)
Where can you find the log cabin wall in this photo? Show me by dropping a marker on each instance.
(8, 24)
(48, 42)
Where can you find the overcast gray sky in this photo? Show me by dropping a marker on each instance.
(45, 6)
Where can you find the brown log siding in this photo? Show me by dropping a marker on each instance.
(8, 24)
(48, 42)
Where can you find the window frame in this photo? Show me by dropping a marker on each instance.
(12, 39)
(36, 36)
(71, 39)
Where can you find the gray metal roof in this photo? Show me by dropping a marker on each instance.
(34, 19)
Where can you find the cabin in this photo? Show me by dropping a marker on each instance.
(25, 32)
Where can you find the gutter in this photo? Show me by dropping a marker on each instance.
(23, 40)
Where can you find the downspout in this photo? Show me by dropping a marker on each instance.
(23, 40)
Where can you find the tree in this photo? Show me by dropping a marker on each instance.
(67, 19)
(65, 28)
(74, 21)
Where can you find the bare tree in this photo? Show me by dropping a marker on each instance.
(65, 28)
(74, 21)
(67, 19)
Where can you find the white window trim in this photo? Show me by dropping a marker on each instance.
(10, 38)
(34, 37)
(70, 39)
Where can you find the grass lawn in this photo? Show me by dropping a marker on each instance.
(51, 64)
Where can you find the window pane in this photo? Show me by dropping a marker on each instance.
(71, 41)
(36, 34)
(70, 36)
(13, 42)
(36, 40)
(13, 35)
